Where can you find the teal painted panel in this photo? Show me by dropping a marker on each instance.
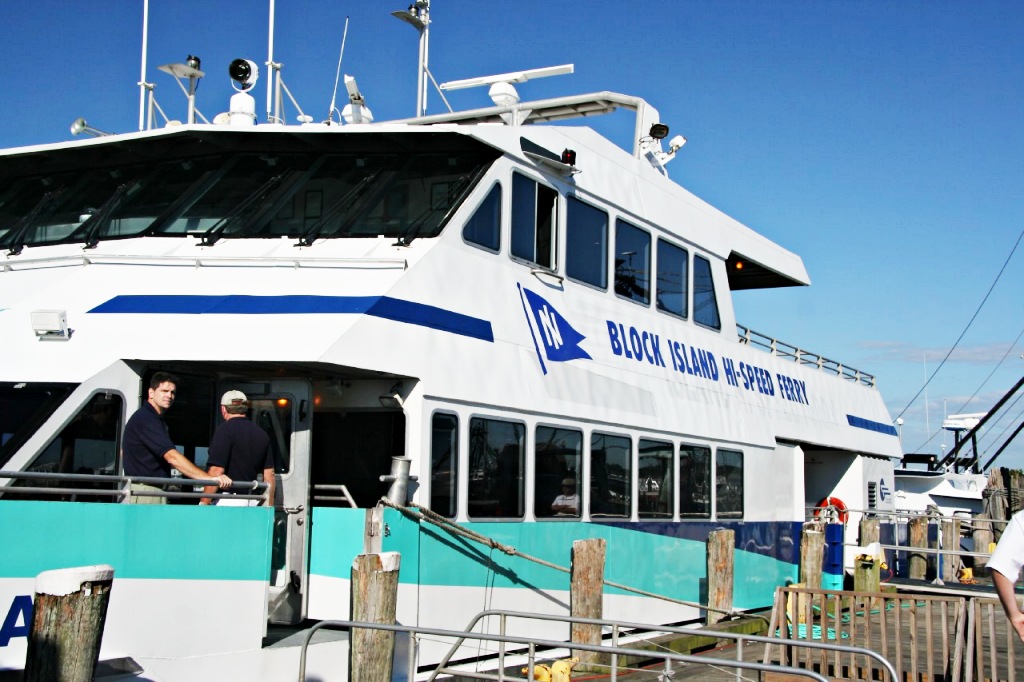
(336, 540)
(403, 536)
(665, 565)
(185, 542)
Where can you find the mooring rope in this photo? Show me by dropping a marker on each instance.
(424, 514)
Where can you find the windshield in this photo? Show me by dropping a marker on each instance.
(23, 408)
(306, 188)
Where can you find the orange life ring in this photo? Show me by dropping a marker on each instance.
(832, 509)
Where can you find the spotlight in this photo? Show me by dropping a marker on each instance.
(659, 131)
(244, 74)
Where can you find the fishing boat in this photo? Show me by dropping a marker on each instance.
(500, 301)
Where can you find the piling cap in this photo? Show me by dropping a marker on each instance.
(64, 581)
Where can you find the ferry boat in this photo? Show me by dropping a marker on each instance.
(500, 302)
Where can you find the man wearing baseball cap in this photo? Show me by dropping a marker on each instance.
(240, 449)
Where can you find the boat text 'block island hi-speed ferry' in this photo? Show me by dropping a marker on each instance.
(523, 311)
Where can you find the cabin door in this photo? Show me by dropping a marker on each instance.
(284, 409)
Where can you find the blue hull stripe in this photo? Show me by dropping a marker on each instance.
(376, 306)
(879, 427)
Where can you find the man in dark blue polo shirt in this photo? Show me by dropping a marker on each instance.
(240, 449)
(147, 447)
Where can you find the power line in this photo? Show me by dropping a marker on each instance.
(966, 328)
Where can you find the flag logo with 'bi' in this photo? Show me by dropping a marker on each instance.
(560, 341)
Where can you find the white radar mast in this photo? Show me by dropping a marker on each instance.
(502, 91)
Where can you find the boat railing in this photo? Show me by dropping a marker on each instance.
(75, 486)
(800, 356)
(622, 646)
(944, 550)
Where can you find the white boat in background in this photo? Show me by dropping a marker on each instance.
(951, 493)
(500, 303)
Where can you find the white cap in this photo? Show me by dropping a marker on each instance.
(233, 398)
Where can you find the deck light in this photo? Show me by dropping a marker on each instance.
(50, 325)
(79, 126)
(393, 398)
(659, 131)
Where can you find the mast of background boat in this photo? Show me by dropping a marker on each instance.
(418, 16)
(144, 87)
(270, 64)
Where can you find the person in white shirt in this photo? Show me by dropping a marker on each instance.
(1005, 565)
(568, 503)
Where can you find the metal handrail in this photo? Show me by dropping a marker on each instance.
(123, 489)
(669, 657)
(802, 357)
(618, 626)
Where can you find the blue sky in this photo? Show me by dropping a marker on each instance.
(881, 141)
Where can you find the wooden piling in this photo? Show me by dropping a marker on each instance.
(950, 550)
(812, 554)
(720, 571)
(867, 574)
(917, 531)
(67, 624)
(586, 597)
(981, 532)
(374, 600)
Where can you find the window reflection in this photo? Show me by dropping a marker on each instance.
(496, 466)
(654, 474)
(610, 475)
(694, 482)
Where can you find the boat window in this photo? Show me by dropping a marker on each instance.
(705, 304)
(533, 221)
(586, 243)
(88, 445)
(484, 227)
(632, 262)
(384, 190)
(496, 468)
(23, 409)
(444, 464)
(558, 454)
(694, 482)
(610, 475)
(672, 273)
(728, 484)
(654, 473)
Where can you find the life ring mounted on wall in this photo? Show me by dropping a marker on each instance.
(831, 510)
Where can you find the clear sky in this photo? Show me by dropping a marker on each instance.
(881, 141)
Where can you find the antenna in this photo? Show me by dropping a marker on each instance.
(418, 16)
(337, 74)
(143, 85)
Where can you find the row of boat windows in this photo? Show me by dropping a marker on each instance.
(534, 239)
(656, 479)
(303, 196)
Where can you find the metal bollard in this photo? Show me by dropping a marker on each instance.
(399, 479)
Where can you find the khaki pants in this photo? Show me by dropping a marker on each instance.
(146, 499)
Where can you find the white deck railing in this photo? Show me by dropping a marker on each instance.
(802, 357)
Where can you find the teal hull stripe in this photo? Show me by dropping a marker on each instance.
(183, 542)
(670, 566)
